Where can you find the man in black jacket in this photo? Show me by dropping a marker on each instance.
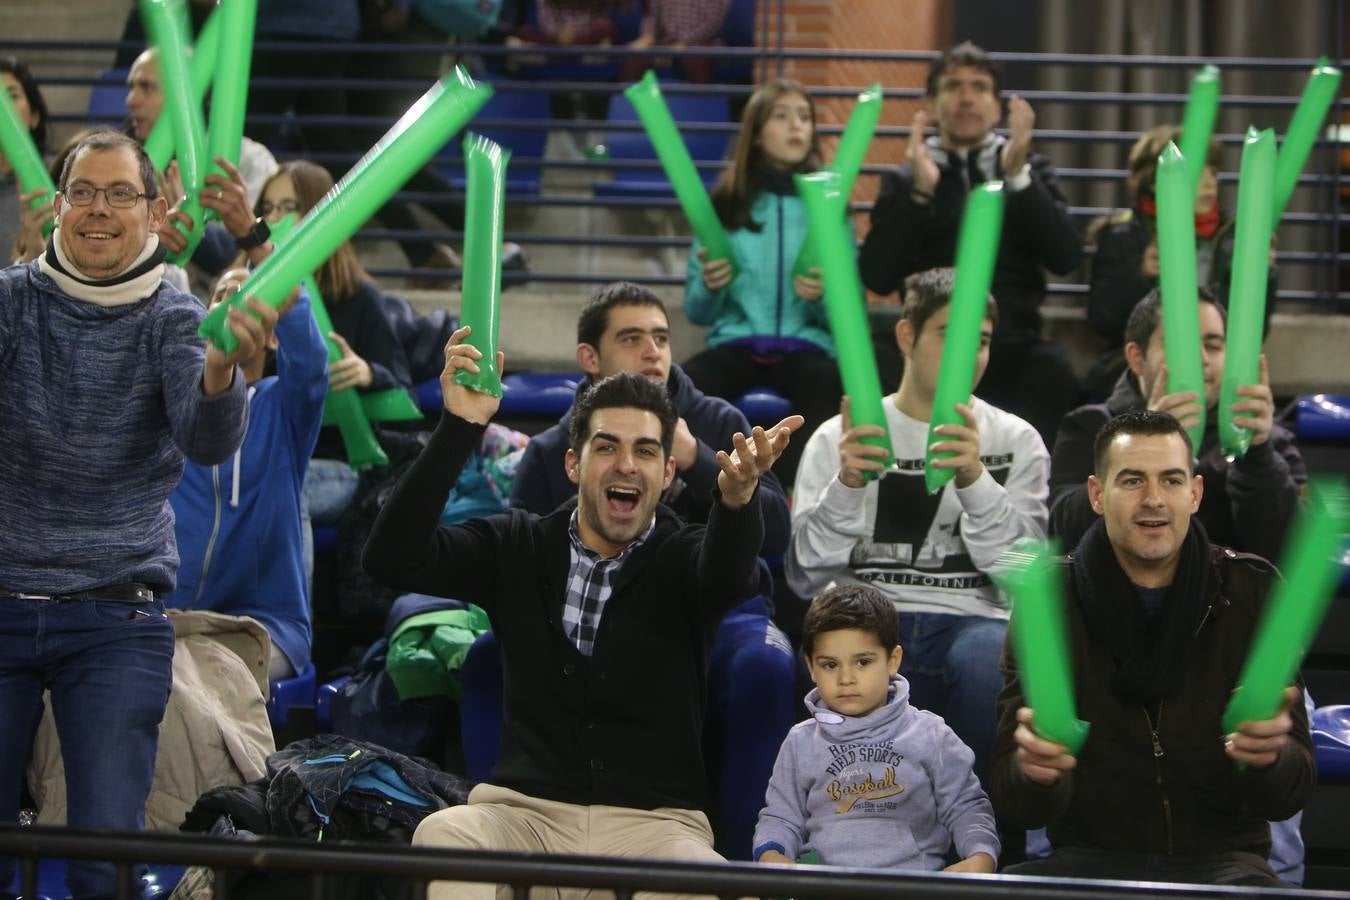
(1249, 502)
(753, 672)
(604, 612)
(1159, 623)
(918, 213)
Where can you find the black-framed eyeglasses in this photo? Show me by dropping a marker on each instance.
(283, 208)
(119, 196)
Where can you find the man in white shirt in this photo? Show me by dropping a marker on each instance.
(930, 555)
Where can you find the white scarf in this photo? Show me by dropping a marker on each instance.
(116, 291)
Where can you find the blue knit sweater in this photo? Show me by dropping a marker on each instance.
(98, 407)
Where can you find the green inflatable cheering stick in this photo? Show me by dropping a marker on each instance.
(159, 143)
(1311, 112)
(825, 200)
(1247, 293)
(1177, 282)
(651, 108)
(16, 141)
(480, 297)
(413, 140)
(1040, 642)
(166, 23)
(848, 160)
(976, 250)
(229, 99)
(1299, 602)
(340, 408)
(1197, 122)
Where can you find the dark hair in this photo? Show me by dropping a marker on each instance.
(851, 606)
(1139, 421)
(963, 54)
(1142, 163)
(734, 193)
(623, 390)
(1147, 313)
(341, 274)
(32, 94)
(927, 292)
(594, 317)
(108, 140)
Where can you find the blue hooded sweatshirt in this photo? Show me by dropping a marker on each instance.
(892, 789)
(238, 523)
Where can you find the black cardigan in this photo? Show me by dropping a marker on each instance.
(622, 727)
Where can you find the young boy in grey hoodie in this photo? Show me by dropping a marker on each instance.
(869, 780)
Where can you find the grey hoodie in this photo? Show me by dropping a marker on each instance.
(892, 789)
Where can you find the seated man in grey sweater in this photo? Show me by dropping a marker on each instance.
(106, 388)
(869, 780)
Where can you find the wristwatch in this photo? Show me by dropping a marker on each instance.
(256, 237)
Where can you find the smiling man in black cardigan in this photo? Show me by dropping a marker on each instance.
(605, 611)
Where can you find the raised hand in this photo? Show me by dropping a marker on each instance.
(809, 287)
(351, 370)
(855, 457)
(1021, 122)
(30, 242)
(964, 441)
(1258, 744)
(252, 330)
(1259, 405)
(228, 196)
(925, 171)
(716, 274)
(468, 404)
(742, 468)
(1184, 406)
(1042, 761)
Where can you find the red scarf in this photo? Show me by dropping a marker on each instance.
(1205, 223)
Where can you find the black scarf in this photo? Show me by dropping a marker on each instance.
(776, 181)
(1150, 651)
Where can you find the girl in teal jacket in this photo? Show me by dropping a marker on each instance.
(766, 328)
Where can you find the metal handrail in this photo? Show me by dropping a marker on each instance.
(750, 54)
(520, 870)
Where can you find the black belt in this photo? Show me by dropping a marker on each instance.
(129, 592)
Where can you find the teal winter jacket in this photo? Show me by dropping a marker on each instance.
(760, 302)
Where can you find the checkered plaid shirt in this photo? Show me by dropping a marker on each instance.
(588, 587)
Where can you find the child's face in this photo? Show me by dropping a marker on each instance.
(785, 138)
(852, 670)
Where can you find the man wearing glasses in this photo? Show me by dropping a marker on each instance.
(104, 389)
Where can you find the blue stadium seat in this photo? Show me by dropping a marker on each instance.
(629, 144)
(1324, 417)
(428, 397)
(763, 406)
(750, 712)
(288, 692)
(524, 143)
(480, 707)
(738, 30)
(323, 702)
(538, 395)
(107, 100)
(1331, 744)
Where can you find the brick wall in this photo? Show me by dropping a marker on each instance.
(859, 25)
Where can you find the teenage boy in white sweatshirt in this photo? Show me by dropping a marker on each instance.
(929, 555)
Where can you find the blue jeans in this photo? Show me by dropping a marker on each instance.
(330, 487)
(108, 667)
(951, 663)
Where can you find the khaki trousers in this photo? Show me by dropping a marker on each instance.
(498, 818)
